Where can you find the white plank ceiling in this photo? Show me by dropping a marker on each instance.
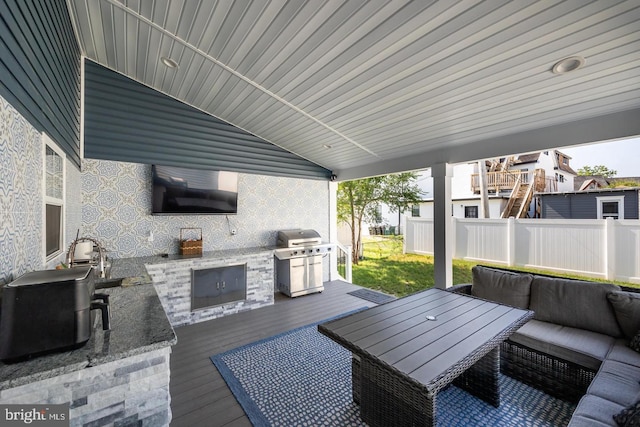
(364, 87)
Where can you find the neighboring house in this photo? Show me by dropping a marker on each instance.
(591, 182)
(553, 171)
(616, 203)
(594, 197)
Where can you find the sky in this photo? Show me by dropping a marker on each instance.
(622, 156)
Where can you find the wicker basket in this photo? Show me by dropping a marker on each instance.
(190, 247)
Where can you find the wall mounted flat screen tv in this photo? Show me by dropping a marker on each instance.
(179, 191)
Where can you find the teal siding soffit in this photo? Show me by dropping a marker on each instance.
(130, 122)
(40, 68)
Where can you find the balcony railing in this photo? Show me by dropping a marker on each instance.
(506, 180)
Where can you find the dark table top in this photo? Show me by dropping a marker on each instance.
(399, 334)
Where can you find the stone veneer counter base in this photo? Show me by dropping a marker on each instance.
(121, 374)
(171, 278)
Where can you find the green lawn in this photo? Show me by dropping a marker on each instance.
(387, 269)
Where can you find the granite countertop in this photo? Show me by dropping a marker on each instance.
(138, 322)
(138, 325)
(134, 268)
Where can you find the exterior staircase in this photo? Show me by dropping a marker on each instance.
(521, 196)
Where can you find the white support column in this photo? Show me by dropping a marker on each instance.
(442, 226)
(333, 229)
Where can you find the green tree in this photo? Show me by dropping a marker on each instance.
(598, 170)
(402, 192)
(358, 201)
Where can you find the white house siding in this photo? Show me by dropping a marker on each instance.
(463, 195)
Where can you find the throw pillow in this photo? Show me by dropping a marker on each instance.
(629, 416)
(501, 286)
(626, 306)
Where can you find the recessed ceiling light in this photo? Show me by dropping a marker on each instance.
(327, 146)
(169, 62)
(568, 65)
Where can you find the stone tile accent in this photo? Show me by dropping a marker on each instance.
(126, 392)
(172, 281)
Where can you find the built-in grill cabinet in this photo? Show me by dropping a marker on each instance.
(216, 286)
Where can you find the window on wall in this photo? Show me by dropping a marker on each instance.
(415, 210)
(610, 207)
(54, 178)
(471, 212)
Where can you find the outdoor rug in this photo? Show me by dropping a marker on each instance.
(373, 296)
(302, 378)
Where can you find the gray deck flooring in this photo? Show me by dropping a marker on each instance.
(199, 395)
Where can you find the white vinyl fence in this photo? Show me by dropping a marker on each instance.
(606, 249)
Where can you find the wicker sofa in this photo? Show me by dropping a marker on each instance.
(577, 345)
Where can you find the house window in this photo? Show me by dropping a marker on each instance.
(560, 178)
(471, 212)
(54, 177)
(415, 210)
(610, 207)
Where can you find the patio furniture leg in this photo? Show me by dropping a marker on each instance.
(355, 379)
(482, 378)
(388, 399)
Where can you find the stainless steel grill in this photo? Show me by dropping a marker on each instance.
(299, 261)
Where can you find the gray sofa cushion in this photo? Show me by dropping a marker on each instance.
(594, 411)
(626, 306)
(617, 382)
(504, 287)
(621, 352)
(574, 303)
(579, 346)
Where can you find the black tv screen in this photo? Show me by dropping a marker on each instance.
(181, 191)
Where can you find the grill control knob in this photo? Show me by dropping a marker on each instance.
(295, 252)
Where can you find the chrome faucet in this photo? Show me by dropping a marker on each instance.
(102, 263)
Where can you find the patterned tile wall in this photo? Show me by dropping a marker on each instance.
(111, 202)
(21, 196)
(116, 200)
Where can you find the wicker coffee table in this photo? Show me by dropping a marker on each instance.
(406, 351)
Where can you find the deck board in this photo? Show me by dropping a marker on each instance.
(199, 395)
